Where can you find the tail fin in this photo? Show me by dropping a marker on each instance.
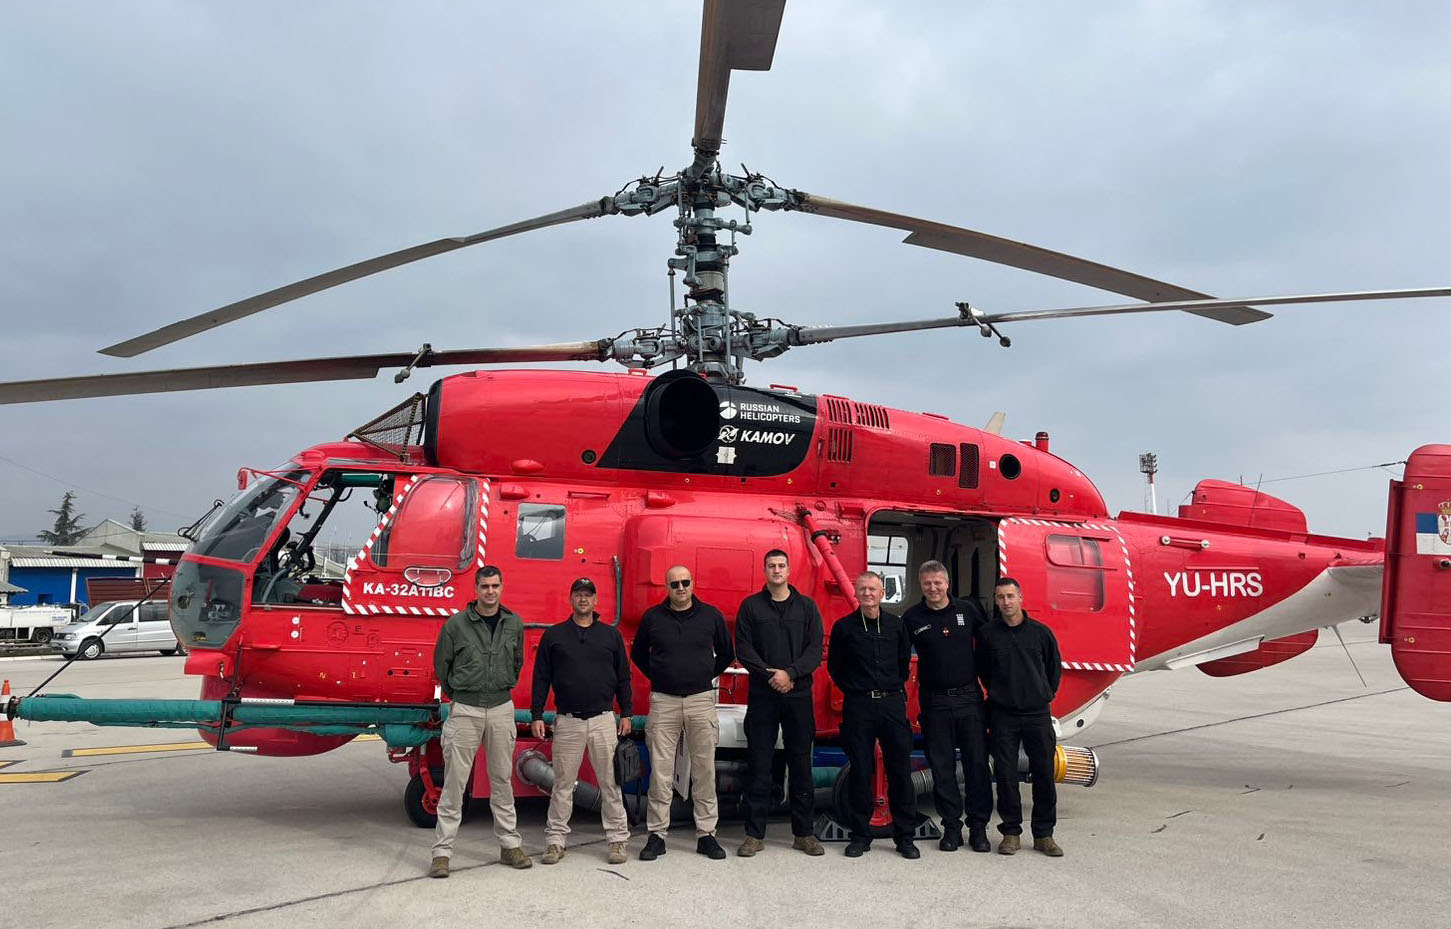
(1415, 613)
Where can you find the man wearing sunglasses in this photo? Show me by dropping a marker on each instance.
(682, 645)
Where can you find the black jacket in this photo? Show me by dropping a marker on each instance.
(585, 665)
(682, 652)
(1019, 664)
(786, 635)
(945, 642)
(869, 654)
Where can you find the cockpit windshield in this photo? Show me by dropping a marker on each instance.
(238, 531)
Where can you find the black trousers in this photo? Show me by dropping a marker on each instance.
(794, 717)
(864, 723)
(1034, 732)
(952, 724)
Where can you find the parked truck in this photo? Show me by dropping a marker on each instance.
(35, 624)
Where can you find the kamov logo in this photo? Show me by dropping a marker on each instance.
(728, 434)
(727, 410)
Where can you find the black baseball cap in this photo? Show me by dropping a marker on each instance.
(583, 583)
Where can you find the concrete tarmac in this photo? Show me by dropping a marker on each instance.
(1290, 796)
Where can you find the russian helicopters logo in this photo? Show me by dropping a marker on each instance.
(427, 577)
(758, 412)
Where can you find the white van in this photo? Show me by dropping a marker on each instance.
(127, 628)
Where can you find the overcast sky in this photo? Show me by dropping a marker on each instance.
(160, 159)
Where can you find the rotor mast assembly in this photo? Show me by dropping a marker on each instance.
(706, 332)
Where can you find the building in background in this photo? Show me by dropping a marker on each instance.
(52, 574)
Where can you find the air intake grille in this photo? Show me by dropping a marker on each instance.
(967, 477)
(838, 443)
(941, 460)
(837, 409)
(869, 414)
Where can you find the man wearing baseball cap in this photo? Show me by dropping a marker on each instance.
(584, 661)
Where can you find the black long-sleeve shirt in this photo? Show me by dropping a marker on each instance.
(1020, 665)
(586, 666)
(869, 654)
(785, 634)
(682, 651)
(945, 644)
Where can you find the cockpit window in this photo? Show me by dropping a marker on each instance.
(238, 531)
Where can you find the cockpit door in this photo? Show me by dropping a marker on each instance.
(421, 557)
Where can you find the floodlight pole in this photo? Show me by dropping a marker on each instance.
(1149, 465)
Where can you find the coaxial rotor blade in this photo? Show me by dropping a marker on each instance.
(735, 35)
(1191, 306)
(235, 311)
(285, 372)
(981, 245)
(974, 319)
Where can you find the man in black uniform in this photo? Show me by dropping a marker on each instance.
(1018, 660)
(778, 640)
(682, 645)
(943, 629)
(869, 659)
(584, 661)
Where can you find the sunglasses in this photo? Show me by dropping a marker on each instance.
(679, 585)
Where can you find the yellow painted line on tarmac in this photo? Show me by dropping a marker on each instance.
(40, 777)
(163, 747)
(134, 749)
(6, 764)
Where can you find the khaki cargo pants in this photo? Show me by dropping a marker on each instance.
(695, 718)
(463, 731)
(597, 735)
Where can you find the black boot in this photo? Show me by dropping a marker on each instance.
(977, 839)
(951, 839)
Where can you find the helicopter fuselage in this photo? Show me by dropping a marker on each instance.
(556, 475)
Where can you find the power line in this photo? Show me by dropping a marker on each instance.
(75, 486)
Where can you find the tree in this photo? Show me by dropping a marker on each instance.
(67, 529)
(138, 520)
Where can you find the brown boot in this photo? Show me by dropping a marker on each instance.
(439, 867)
(617, 853)
(750, 846)
(1047, 846)
(515, 858)
(552, 854)
(1009, 845)
(809, 844)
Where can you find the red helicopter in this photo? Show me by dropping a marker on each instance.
(556, 474)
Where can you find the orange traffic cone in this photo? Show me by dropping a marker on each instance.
(7, 728)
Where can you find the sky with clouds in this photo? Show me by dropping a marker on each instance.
(163, 158)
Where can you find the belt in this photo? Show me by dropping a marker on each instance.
(590, 715)
(879, 694)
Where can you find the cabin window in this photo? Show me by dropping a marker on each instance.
(541, 531)
(434, 526)
(1075, 574)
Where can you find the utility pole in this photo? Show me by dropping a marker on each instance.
(1149, 465)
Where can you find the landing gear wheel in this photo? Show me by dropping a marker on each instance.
(168, 652)
(91, 648)
(841, 805)
(414, 805)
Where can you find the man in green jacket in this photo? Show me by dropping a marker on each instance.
(478, 657)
